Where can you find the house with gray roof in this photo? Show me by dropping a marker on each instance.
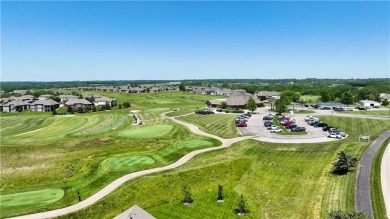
(65, 98)
(78, 103)
(240, 100)
(16, 106)
(215, 103)
(19, 92)
(134, 212)
(384, 96)
(102, 100)
(47, 105)
(267, 95)
(45, 97)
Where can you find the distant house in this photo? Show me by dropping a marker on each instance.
(19, 92)
(240, 100)
(65, 98)
(369, 103)
(134, 212)
(214, 103)
(16, 106)
(77, 103)
(45, 97)
(384, 96)
(267, 95)
(48, 105)
(28, 98)
(102, 100)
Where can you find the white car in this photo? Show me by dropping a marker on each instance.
(333, 135)
(277, 129)
(272, 127)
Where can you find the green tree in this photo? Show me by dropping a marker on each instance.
(281, 104)
(187, 195)
(182, 88)
(347, 98)
(344, 163)
(251, 105)
(325, 96)
(291, 95)
(385, 102)
(107, 106)
(120, 106)
(54, 112)
(69, 109)
(338, 214)
(147, 90)
(220, 193)
(223, 105)
(93, 108)
(241, 210)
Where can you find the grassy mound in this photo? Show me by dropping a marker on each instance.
(151, 131)
(121, 163)
(195, 143)
(32, 198)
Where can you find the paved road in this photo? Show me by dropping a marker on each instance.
(385, 178)
(362, 194)
(115, 184)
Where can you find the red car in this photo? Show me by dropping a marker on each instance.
(287, 123)
(241, 125)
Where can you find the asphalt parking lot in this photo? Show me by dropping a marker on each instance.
(256, 127)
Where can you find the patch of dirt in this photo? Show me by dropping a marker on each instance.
(23, 168)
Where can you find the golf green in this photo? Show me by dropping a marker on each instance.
(120, 163)
(195, 143)
(151, 131)
(33, 198)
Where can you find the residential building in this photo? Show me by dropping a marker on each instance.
(77, 103)
(45, 97)
(16, 106)
(47, 105)
(240, 100)
(384, 96)
(214, 103)
(19, 92)
(267, 95)
(65, 98)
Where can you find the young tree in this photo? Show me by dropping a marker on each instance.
(182, 88)
(385, 102)
(80, 110)
(69, 109)
(241, 210)
(54, 112)
(344, 163)
(93, 108)
(187, 195)
(325, 96)
(347, 98)
(147, 90)
(251, 105)
(220, 193)
(281, 104)
(107, 106)
(223, 105)
(120, 106)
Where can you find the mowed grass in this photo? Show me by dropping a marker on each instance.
(32, 198)
(310, 98)
(221, 125)
(369, 112)
(277, 181)
(148, 131)
(180, 112)
(118, 163)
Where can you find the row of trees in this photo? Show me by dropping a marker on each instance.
(187, 199)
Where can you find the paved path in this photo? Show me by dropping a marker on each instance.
(385, 178)
(362, 194)
(115, 184)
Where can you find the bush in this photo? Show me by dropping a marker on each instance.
(234, 111)
(126, 104)
(204, 112)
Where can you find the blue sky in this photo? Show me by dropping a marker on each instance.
(55, 41)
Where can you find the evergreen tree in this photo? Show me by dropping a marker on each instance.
(251, 105)
(241, 210)
(220, 193)
(344, 163)
(385, 102)
(187, 195)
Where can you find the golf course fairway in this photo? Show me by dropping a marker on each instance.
(121, 163)
(151, 131)
(195, 143)
(32, 198)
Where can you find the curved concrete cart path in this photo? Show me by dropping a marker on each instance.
(363, 188)
(115, 184)
(385, 178)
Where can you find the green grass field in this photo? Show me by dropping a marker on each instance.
(221, 125)
(277, 180)
(56, 157)
(369, 112)
(149, 131)
(310, 98)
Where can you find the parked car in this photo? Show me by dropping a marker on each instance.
(241, 125)
(287, 123)
(320, 124)
(266, 124)
(334, 135)
(326, 128)
(272, 127)
(291, 127)
(277, 129)
(299, 129)
(268, 118)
